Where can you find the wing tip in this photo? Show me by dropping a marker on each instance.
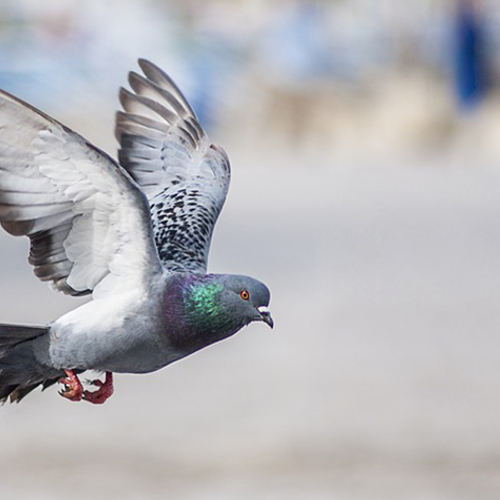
(162, 79)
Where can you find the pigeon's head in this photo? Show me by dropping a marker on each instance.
(203, 309)
(247, 298)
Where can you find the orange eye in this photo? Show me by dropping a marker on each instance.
(244, 295)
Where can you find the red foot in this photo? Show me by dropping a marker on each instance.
(102, 394)
(73, 389)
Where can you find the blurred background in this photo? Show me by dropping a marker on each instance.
(365, 142)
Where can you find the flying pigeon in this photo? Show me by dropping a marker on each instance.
(134, 234)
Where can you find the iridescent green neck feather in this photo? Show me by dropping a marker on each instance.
(204, 298)
(207, 312)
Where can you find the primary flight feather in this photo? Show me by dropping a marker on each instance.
(134, 234)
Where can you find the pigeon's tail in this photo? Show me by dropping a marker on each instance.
(20, 372)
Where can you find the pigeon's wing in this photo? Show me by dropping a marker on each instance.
(167, 152)
(88, 221)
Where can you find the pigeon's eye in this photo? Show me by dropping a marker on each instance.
(244, 294)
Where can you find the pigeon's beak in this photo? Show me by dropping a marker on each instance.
(265, 315)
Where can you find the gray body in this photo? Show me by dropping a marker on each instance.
(134, 339)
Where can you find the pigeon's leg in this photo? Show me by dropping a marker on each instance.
(73, 389)
(104, 392)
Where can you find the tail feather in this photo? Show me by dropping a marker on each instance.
(20, 371)
(11, 335)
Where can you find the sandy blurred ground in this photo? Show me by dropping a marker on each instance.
(380, 380)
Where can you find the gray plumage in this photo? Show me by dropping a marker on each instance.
(70, 198)
(168, 154)
(135, 234)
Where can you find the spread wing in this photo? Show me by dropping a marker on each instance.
(167, 152)
(88, 222)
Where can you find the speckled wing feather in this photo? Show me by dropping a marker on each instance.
(167, 152)
(87, 220)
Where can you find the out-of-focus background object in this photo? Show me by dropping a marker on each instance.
(365, 142)
(471, 45)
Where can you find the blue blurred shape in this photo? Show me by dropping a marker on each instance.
(470, 67)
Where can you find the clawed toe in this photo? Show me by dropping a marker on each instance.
(96, 382)
(102, 394)
(72, 395)
(73, 389)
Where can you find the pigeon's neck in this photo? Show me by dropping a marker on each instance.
(196, 315)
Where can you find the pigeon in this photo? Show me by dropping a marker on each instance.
(134, 234)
